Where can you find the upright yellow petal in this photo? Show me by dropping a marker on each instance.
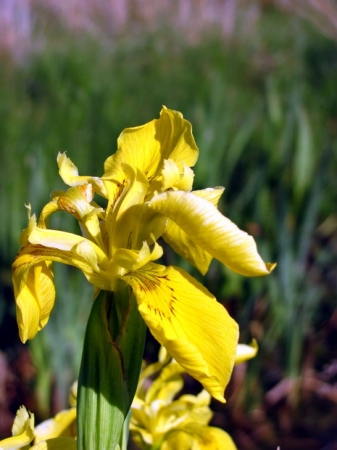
(210, 230)
(122, 222)
(147, 146)
(184, 317)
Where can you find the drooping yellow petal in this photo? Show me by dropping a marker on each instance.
(33, 280)
(81, 256)
(73, 247)
(183, 243)
(245, 352)
(22, 430)
(216, 234)
(184, 317)
(34, 295)
(147, 146)
(63, 424)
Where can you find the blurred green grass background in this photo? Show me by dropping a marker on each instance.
(263, 108)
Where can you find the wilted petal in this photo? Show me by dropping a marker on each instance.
(210, 230)
(184, 317)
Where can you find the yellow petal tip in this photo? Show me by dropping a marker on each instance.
(270, 267)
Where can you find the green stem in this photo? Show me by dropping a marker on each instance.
(111, 362)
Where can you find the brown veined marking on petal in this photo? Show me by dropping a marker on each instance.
(32, 254)
(36, 251)
(119, 190)
(129, 244)
(173, 297)
(65, 206)
(151, 283)
(86, 192)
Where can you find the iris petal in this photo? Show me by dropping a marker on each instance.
(196, 436)
(184, 317)
(69, 174)
(35, 296)
(33, 281)
(63, 424)
(209, 229)
(147, 146)
(184, 244)
(245, 352)
(22, 430)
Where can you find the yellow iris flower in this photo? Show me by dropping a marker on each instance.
(147, 185)
(53, 434)
(161, 420)
(154, 414)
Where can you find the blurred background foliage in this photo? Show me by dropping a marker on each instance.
(258, 82)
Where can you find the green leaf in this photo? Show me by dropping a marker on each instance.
(111, 362)
(304, 160)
